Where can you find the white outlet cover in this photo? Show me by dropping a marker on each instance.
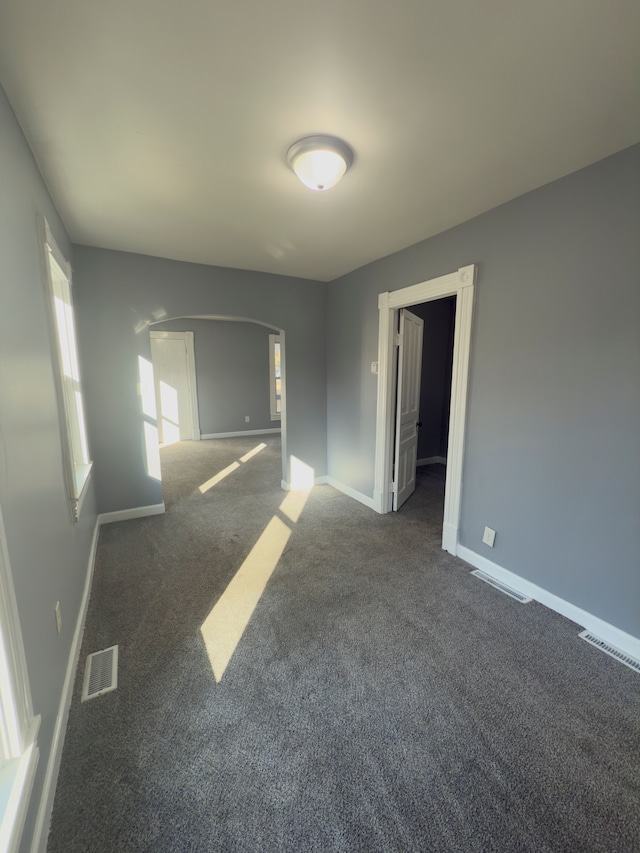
(489, 537)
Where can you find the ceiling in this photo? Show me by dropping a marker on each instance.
(162, 127)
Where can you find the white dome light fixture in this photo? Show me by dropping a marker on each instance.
(320, 161)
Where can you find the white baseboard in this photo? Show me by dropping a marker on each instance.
(352, 493)
(450, 539)
(620, 639)
(127, 514)
(240, 433)
(341, 487)
(43, 818)
(317, 481)
(431, 460)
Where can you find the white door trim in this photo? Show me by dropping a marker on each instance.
(18, 724)
(188, 339)
(461, 285)
(16, 709)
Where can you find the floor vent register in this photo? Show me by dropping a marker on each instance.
(101, 673)
(624, 658)
(501, 586)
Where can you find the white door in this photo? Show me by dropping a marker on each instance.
(407, 406)
(173, 389)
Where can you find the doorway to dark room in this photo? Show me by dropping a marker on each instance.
(460, 286)
(425, 362)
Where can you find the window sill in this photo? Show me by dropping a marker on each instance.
(82, 473)
(82, 477)
(16, 782)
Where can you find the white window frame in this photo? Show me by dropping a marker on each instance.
(18, 725)
(75, 446)
(273, 340)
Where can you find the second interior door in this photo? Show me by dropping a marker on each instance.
(407, 406)
(173, 390)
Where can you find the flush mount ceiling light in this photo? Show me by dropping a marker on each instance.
(320, 161)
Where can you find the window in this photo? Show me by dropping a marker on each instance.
(74, 432)
(275, 377)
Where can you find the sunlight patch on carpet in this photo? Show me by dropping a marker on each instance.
(294, 503)
(223, 628)
(252, 453)
(209, 484)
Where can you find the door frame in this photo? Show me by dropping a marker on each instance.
(460, 284)
(18, 723)
(226, 318)
(188, 339)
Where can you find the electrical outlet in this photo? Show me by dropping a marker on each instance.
(247, 419)
(58, 617)
(489, 537)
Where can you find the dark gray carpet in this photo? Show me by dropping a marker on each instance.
(382, 698)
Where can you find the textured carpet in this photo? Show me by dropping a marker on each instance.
(381, 699)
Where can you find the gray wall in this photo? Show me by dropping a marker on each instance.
(232, 373)
(118, 294)
(49, 553)
(551, 459)
(435, 382)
